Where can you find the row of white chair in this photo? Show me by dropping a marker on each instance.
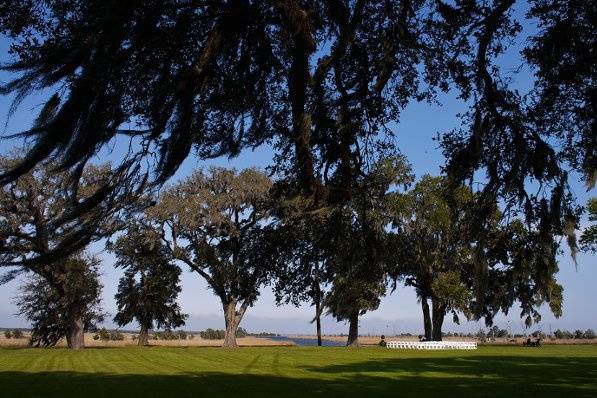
(433, 345)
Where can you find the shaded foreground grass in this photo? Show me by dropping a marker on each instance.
(557, 371)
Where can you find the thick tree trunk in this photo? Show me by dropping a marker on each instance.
(232, 319)
(301, 120)
(143, 336)
(318, 322)
(439, 311)
(75, 337)
(353, 331)
(426, 318)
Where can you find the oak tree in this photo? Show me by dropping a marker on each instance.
(149, 288)
(65, 305)
(217, 222)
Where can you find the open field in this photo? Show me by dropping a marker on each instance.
(551, 371)
(197, 341)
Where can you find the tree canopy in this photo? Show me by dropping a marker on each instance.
(474, 273)
(321, 81)
(217, 223)
(41, 217)
(148, 290)
(434, 248)
(64, 306)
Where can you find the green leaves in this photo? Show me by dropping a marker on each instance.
(588, 240)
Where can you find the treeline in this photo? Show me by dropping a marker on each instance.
(108, 335)
(577, 334)
(217, 334)
(233, 229)
(14, 334)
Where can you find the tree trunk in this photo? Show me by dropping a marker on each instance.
(301, 120)
(75, 337)
(439, 311)
(426, 318)
(232, 319)
(143, 338)
(353, 331)
(318, 322)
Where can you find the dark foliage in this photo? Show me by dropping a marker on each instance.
(149, 288)
(321, 81)
(588, 240)
(53, 306)
(220, 225)
(41, 220)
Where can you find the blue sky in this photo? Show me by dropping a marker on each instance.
(399, 311)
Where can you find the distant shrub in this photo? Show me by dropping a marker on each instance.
(212, 334)
(240, 332)
(17, 334)
(182, 335)
(589, 334)
(115, 335)
(563, 334)
(8, 334)
(169, 335)
(102, 335)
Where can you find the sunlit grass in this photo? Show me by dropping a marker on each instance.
(558, 371)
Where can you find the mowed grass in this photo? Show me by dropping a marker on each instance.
(550, 371)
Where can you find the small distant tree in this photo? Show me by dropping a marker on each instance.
(8, 334)
(66, 303)
(17, 334)
(148, 290)
(211, 334)
(241, 332)
(589, 334)
(579, 334)
(102, 334)
(563, 334)
(116, 335)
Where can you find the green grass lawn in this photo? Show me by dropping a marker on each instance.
(550, 371)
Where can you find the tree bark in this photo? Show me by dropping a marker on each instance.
(426, 318)
(318, 322)
(439, 311)
(75, 337)
(143, 339)
(353, 331)
(232, 319)
(301, 120)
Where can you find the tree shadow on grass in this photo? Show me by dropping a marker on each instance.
(487, 376)
(482, 376)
